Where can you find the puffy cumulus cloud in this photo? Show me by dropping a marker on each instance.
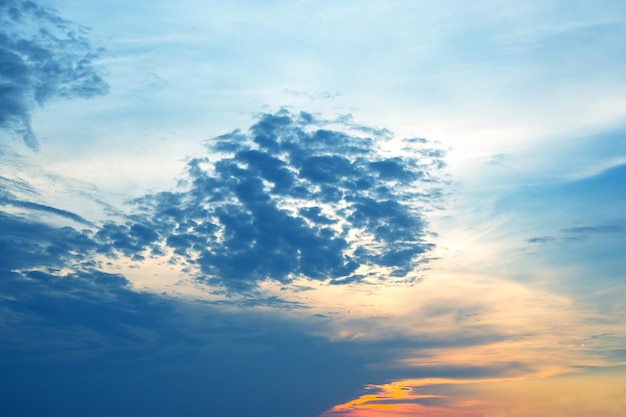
(292, 198)
(42, 56)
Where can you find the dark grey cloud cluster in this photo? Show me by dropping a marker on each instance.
(43, 208)
(290, 198)
(51, 288)
(26, 245)
(42, 56)
(66, 326)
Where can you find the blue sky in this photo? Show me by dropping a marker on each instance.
(301, 209)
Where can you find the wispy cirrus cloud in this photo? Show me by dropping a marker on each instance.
(29, 205)
(42, 57)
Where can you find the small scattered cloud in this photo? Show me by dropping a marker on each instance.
(63, 315)
(294, 196)
(540, 239)
(498, 159)
(42, 57)
(492, 396)
(289, 198)
(580, 233)
(320, 95)
(16, 185)
(27, 245)
(601, 229)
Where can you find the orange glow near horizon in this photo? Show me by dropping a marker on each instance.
(400, 398)
(600, 392)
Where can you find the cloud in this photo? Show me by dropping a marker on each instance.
(291, 198)
(45, 209)
(563, 395)
(52, 286)
(321, 95)
(88, 308)
(581, 233)
(16, 185)
(586, 230)
(26, 245)
(540, 239)
(498, 159)
(68, 326)
(42, 57)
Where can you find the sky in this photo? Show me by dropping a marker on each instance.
(312, 209)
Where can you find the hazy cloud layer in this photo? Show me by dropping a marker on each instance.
(42, 56)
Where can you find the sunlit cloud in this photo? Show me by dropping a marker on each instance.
(598, 392)
(409, 398)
